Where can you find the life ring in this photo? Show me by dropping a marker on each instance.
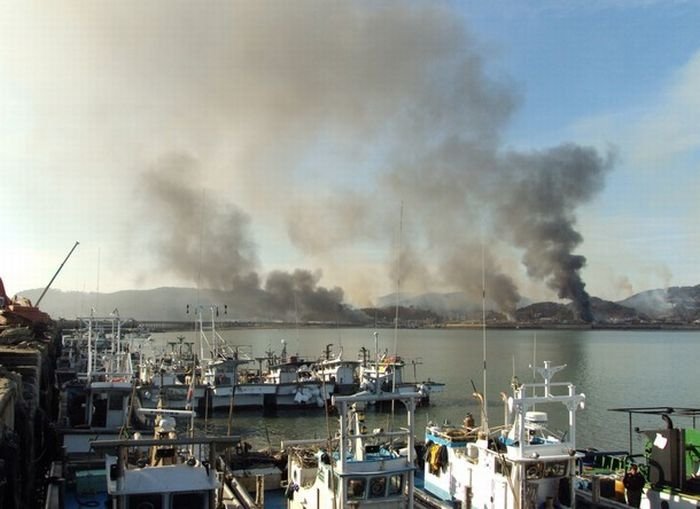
(455, 433)
(532, 472)
(376, 487)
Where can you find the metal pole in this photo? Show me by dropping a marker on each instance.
(630, 430)
(56, 274)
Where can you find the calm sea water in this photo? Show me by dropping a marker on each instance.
(613, 369)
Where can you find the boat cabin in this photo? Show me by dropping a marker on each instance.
(361, 468)
(517, 465)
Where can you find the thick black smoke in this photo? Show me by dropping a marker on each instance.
(537, 209)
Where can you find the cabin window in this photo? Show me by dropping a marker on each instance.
(356, 488)
(116, 402)
(76, 408)
(377, 487)
(555, 469)
(395, 485)
(99, 411)
(502, 467)
(190, 500)
(145, 501)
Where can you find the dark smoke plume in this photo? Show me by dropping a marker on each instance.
(197, 236)
(538, 210)
(326, 116)
(207, 242)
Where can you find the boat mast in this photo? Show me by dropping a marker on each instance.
(215, 351)
(398, 297)
(97, 293)
(89, 346)
(376, 362)
(485, 419)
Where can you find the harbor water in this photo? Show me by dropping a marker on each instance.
(635, 368)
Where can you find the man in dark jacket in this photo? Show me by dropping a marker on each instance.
(634, 482)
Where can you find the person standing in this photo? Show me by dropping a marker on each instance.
(634, 482)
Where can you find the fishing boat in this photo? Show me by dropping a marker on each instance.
(286, 381)
(95, 348)
(385, 373)
(518, 465)
(357, 467)
(670, 463)
(296, 382)
(97, 386)
(163, 472)
(169, 377)
(106, 461)
(339, 371)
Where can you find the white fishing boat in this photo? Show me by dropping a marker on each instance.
(163, 472)
(97, 347)
(357, 467)
(518, 465)
(100, 398)
(286, 381)
(168, 377)
(296, 384)
(385, 373)
(343, 373)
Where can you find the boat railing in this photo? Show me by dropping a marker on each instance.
(231, 440)
(543, 390)
(286, 444)
(593, 461)
(367, 396)
(560, 450)
(381, 434)
(207, 447)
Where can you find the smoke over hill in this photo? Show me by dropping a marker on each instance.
(337, 113)
(676, 305)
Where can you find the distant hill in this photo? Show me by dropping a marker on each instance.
(445, 304)
(168, 304)
(673, 305)
(547, 312)
(605, 311)
(448, 305)
(171, 304)
(677, 303)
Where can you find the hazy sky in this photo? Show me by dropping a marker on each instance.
(214, 143)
